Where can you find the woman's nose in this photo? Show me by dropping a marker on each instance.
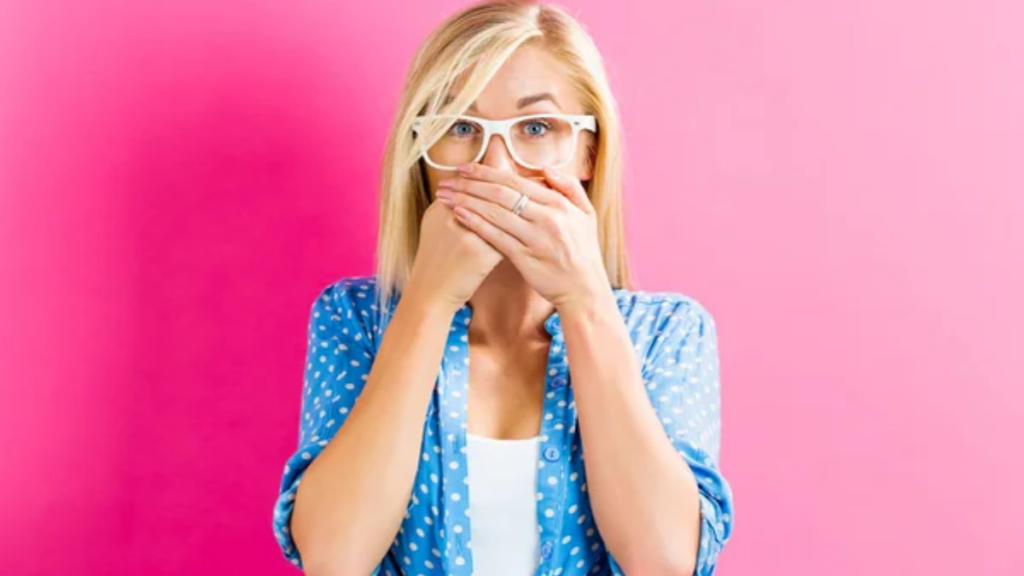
(497, 155)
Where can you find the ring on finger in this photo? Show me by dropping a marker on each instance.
(520, 204)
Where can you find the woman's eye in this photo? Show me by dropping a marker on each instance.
(536, 128)
(462, 129)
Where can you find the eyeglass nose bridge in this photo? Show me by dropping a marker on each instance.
(501, 129)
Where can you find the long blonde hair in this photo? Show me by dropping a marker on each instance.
(467, 50)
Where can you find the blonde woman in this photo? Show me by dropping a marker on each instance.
(442, 431)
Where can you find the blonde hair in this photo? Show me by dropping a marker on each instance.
(467, 50)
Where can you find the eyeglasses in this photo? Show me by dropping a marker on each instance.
(535, 141)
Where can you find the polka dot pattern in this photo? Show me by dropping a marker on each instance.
(672, 334)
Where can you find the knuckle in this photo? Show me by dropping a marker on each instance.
(465, 240)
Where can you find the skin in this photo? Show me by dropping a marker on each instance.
(514, 271)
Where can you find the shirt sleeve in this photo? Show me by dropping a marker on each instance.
(338, 359)
(681, 373)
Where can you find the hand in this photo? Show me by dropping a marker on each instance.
(451, 262)
(553, 242)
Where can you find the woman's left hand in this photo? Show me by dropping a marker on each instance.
(553, 242)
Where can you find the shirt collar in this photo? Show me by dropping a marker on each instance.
(552, 324)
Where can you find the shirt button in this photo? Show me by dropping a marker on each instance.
(559, 382)
(545, 550)
(552, 454)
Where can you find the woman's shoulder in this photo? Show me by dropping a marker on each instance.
(357, 293)
(352, 301)
(353, 288)
(661, 306)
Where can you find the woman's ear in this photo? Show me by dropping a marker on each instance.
(589, 163)
(589, 149)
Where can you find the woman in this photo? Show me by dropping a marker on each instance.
(441, 386)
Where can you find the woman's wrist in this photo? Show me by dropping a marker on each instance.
(587, 304)
(428, 304)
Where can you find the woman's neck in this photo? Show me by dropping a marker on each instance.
(507, 310)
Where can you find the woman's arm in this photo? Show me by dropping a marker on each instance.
(646, 499)
(352, 499)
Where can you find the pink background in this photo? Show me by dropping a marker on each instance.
(841, 183)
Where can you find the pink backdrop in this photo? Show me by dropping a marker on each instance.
(841, 183)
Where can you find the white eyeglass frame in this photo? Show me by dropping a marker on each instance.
(503, 128)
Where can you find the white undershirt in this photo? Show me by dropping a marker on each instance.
(503, 503)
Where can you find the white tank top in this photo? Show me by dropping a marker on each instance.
(503, 505)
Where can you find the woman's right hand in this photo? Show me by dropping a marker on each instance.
(451, 261)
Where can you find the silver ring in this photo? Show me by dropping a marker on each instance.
(520, 204)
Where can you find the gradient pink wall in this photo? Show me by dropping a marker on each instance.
(841, 183)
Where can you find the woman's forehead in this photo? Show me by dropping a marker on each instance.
(530, 80)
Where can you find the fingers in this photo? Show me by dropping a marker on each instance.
(494, 214)
(502, 241)
(502, 186)
(571, 188)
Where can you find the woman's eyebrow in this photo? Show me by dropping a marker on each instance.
(527, 100)
(521, 103)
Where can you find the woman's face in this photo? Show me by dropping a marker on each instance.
(530, 72)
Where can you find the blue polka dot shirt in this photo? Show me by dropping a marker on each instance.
(673, 335)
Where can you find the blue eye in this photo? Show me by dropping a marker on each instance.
(462, 129)
(536, 128)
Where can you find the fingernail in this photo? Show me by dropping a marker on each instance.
(466, 168)
(446, 183)
(443, 193)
